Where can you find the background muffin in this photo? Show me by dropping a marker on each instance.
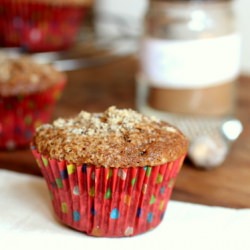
(110, 174)
(41, 25)
(28, 93)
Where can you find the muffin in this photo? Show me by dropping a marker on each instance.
(41, 25)
(28, 93)
(109, 174)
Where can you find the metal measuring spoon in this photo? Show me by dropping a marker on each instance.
(209, 150)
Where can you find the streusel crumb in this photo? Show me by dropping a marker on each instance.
(23, 75)
(114, 138)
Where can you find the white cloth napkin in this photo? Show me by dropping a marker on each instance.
(27, 222)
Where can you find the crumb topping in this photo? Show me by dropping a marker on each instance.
(114, 138)
(24, 76)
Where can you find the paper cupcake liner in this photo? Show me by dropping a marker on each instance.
(38, 27)
(109, 202)
(20, 115)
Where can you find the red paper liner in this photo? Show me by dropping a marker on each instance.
(109, 202)
(20, 115)
(39, 27)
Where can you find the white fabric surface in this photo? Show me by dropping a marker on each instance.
(27, 222)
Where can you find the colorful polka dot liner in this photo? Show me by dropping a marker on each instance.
(109, 202)
(38, 27)
(20, 115)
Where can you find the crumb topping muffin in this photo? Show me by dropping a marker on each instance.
(114, 138)
(23, 75)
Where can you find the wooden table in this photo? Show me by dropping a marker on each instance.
(95, 89)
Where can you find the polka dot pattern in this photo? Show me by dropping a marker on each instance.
(108, 194)
(20, 115)
(129, 231)
(71, 169)
(115, 214)
(64, 207)
(40, 27)
(76, 190)
(109, 202)
(76, 216)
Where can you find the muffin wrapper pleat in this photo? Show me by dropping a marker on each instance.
(21, 114)
(109, 202)
(38, 27)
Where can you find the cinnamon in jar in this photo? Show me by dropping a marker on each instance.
(189, 58)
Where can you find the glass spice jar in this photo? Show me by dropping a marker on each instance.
(189, 59)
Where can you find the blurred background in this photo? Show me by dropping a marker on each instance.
(126, 16)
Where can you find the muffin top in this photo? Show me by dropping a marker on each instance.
(114, 138)
(58, 2)
(24, 76)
